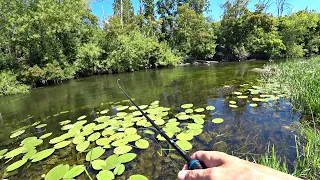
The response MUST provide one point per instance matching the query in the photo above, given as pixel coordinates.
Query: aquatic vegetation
(42, 155)
(57, 172)
(217, 120)
(16, 165)
(16, 134)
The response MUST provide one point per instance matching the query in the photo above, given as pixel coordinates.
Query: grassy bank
(301, 79)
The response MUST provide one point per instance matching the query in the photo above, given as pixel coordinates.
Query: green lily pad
(16, 165)
(195, 126)
(169, 134)
(199, 120)
(94, 136)
(172, 129)
(78, 139)
(142, 144)
(98, 164)
(199, 110)
(242, 97)
(29, 154)
(3, 151)
(233, 106)
(253, 105)
(57, 172)
(184, 145)
(217, 120)
(189, 111)
(137, 177)
(122, 149)
(14, 152)
(119, 169)
(35, 123)
(102, 119)
(95, 153)
(89, 127)
(100, 127)
(81, 117)
(65, 122)
(184, 137)
(61, 144)
(232, 102)
(121, 114)
(237, 93)
(120, 142)
(194, 132)
(186, 106)
(45, 136)
(117, 136)
(42, 155)
(105, 175)
(103, 141)
(27, 140)
(143, 106)
(74, 172)
(33, 143)
(122, 108)
(16, 134)
(147, 131)
(132, 138)
(104, 111)
(41, 126)
(130, 131)
(184, 117)
(124, 158)
(112, 162)
(210, 108)
(67, 127)
(159, 122)
(82, 146)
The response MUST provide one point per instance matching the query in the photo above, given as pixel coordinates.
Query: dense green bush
(134, 51)
(9, 84)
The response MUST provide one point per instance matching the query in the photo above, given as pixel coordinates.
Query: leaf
(184, 117)
(81, 117)
(121, 114)
(78, 139)
(16, 165)
(14, 152)
(242, 97)
(194, 132)
(124, 158)
(82, 146)
(184, 136)
(98, 164)
(112, 162)
(61, 144)
(94, 136)
(42, 155)
(184, 145)
(142, 144)
(237, 93)
(232, 102)
(105, 175)
(28, 139)
(100, 127)
(45, 136)
(65, 122)
(233, 106)
(103, 141)
(74, 172)
(29, 154)
(186, 106)
(122, 108)
(16, 134)
(210, 108)
(253, 105)
(122, 149)
(33, 143)
(132, 138)
(138, 177)
(130, 131)
(57, 172)
(3, 151)
(41, 126)
(95, 153)
(217, 120)
(119, 169)
(199, 110)
(104, 111)
(35, 123)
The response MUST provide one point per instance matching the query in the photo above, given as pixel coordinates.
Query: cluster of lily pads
(117, 133)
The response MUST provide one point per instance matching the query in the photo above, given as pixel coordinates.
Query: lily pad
(41, 126)
(233, 106)
(159, 122)
(81, 117)
(112, 162)
(104, 111)
(95, 153)
(65, 122)
(35, 123)
(232, 102)
(100, 127)
(138, 177)
(237, 93)
(74, 172)
(120, 142)
(78, 139)
(184, 137)
(94, 136)
(132, 138)
(61, 144)
(103, 141)
(16, 165)
(199, 110)
(210, 108)
(184, 117)
(124, 158)
(217, 120)
(82, 146)
(122, 149)
(29, 154)
(194, 132)
(33, 143)
(45, 136)
(242, 97)
(27, 140)
(3, 151)
(57, 172)
(122, 108)
(42, 155)
(105, 175)
(16, 134)
(98, 164)
(253, 105)
(130, 131)
(184, 145)
(186, 106)
(15, 152)
(119, 169)
(189, 111)
(121, 114)
(142, 144)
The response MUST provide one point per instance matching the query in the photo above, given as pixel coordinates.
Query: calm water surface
(245, 132)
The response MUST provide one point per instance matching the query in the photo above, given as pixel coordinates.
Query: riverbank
(300, 78)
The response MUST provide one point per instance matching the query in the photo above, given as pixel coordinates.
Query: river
(245, 132)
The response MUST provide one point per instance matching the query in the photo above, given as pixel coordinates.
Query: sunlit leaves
(16, 165)
(122, 149)
(95, 153)
(138, 177)
(142, 144)
(74, 172)
(57, 172)
(217, 120)
(82, 146)
(124, 158)
(16, 134)
(184, 145)
(42, 155)
(61, 144)
(105, 174)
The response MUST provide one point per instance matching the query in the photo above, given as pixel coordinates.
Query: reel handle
(196, 164)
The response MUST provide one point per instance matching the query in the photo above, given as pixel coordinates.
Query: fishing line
(192, 163)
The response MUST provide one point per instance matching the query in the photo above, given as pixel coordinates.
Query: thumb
(203, 174)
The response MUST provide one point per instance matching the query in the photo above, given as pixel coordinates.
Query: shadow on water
(245, 132)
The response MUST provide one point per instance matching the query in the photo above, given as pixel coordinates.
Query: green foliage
(135, 51)
(10, 85)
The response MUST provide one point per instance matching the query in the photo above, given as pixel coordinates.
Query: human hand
(222, 166)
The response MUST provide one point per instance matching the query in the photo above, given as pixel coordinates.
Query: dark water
(245, 132)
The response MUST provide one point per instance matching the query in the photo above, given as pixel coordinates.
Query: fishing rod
(192, 163)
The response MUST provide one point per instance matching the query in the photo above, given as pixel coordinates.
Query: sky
(215, 10)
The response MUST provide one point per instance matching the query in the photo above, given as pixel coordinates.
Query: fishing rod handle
(196, 164)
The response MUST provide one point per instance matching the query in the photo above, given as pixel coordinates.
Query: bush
(134, 51)
(10, 85)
